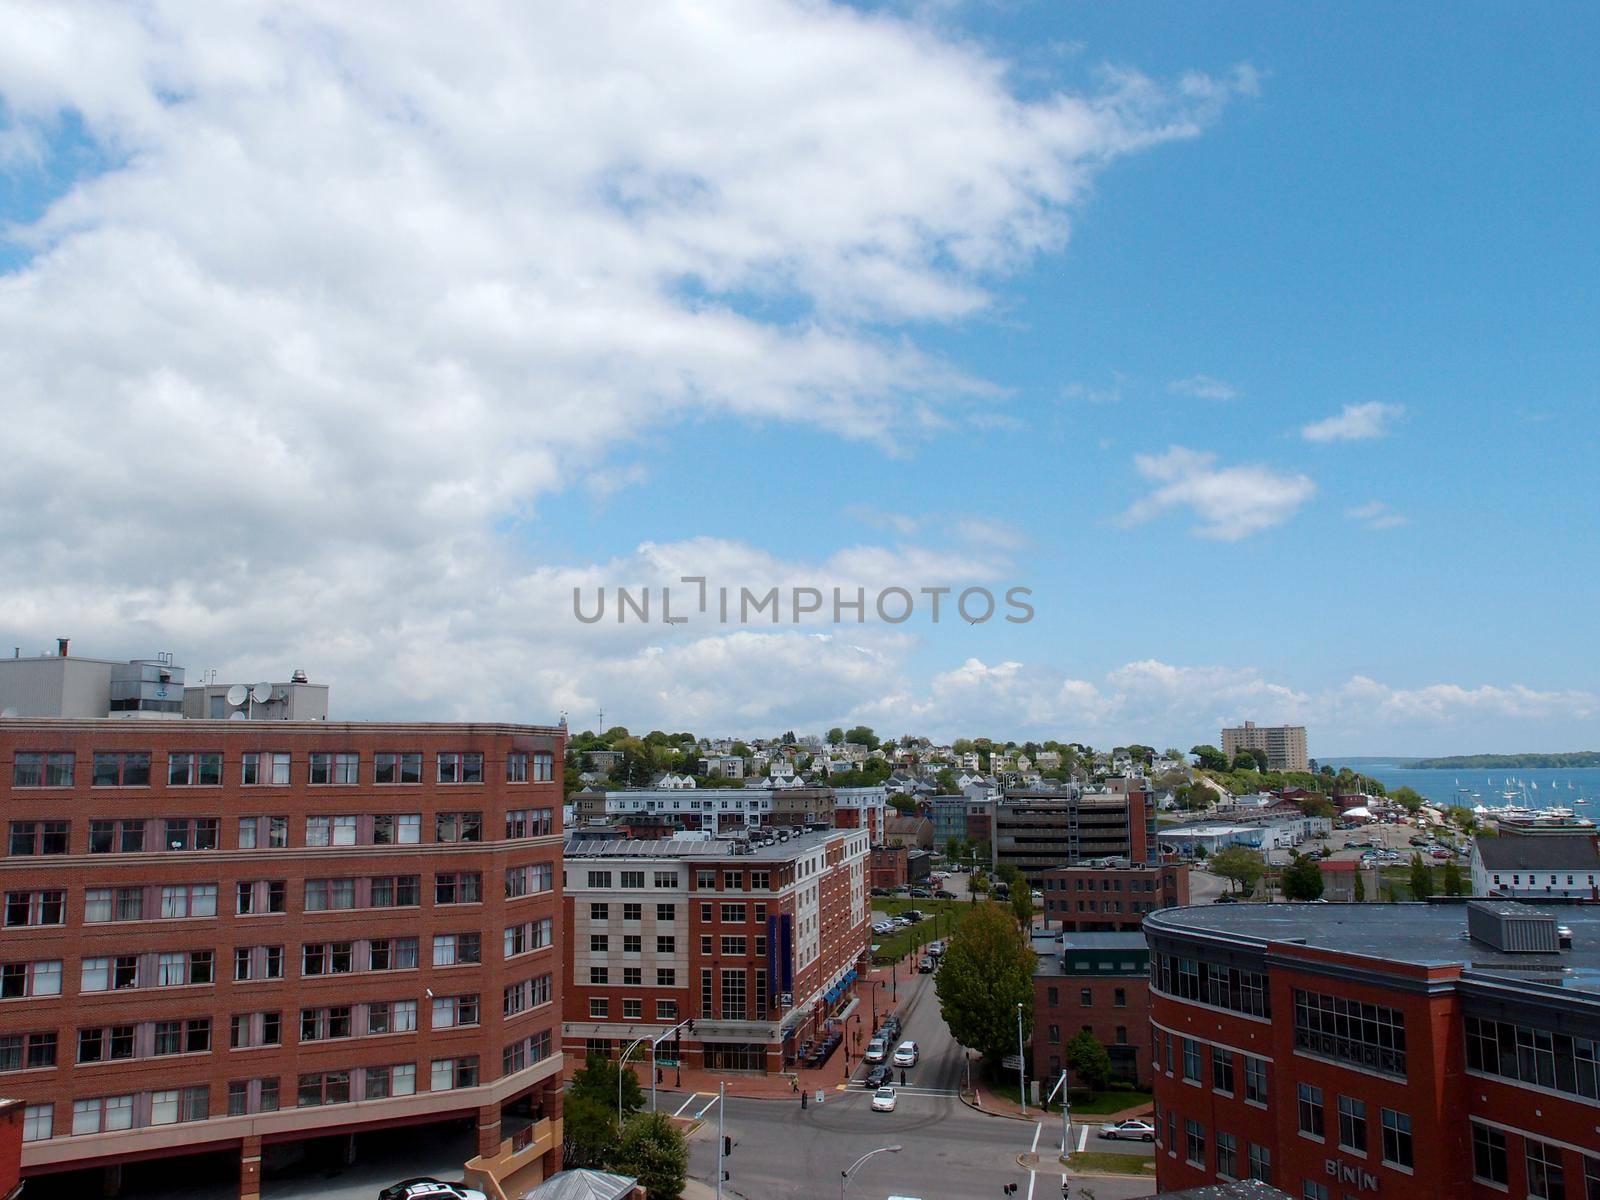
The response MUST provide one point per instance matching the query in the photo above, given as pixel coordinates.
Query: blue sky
(1379, 209)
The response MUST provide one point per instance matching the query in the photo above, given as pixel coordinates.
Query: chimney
(61, 646)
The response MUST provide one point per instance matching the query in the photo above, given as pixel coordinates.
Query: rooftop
(1539, 854)
(1426, 935)
(579, 846)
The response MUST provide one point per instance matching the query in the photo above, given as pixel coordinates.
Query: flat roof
(1428, 935)
(580, 846)
(163, 724)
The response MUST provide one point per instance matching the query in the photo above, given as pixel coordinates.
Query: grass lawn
(1107, 1163)
(898, 945)
(1098, 1104)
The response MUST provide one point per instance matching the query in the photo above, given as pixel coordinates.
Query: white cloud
(1094, 393)
(1204, 387)
(1230, 502)
(1376, 515)
(1355, 422)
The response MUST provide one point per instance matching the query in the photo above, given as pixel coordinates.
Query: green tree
(740, 750)
(1407, 798)
(986, 972)
(1022, 908)
(1361, 885)
(653, 1150)
(597, 1079)
(1240, 864)
(589, 1132)
(1450, 881)
(1245, 761)
(961, 746)
(1210, 758)
(1260, 756)
(1421, 878)
(945, 781)
(1088, 1061)
(835, 736)
(1301, 879)
(861, 735)
(904, 804)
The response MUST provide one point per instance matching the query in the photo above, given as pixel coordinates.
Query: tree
(1301, 879)
(945, 781)
(1209, 757)
(1240, 864)
(653, 1151)
(1260, 756)
(1022, 908)
(1087, 1059)
(597, 1079)
(1421, 878)
(904, 804)
(1245, 760)
(1361, 886)
(1450, 882)
(1408, 798)
(740, 750)
(986, 972)
(835, 736)
(861, 735)
(589, 1132)
(961, 746)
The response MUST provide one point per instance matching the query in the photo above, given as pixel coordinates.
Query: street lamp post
(1022, 1068)
(844, 1175)
(621, 1063)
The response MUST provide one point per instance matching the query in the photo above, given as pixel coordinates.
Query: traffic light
(1010, 1189)
(727, 1146)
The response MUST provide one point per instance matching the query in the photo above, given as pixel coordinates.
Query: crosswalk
(710, 1103)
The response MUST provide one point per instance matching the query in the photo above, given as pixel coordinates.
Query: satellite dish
(238, 714)
(238, 694)
(261, 693)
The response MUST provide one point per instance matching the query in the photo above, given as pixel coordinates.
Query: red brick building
(1111, 897)
(757, 940)
(10, 1148)
(225, 934)
(1097, 982)
(1447, 1050)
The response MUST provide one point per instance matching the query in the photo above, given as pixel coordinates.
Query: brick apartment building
(1111, 896)
(757, 940)
(893, 866)
(226, 934)
(1036, 830)
(1378, 1050)
(1099, 982)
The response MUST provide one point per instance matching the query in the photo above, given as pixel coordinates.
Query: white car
(883, 1100)
(429, 1189)
(1133, 1130)
(877, 1051)
(905, 1054)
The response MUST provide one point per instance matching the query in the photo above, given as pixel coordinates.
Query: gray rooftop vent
(1513, 928)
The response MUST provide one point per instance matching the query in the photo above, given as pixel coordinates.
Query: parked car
(880, 891)
(889, 1032)
(925, 967)
(424, 1188)
(911, 914)
(883, 1100)
(945, 894)
(877, 1051)
(905, 1054)
(877, 1077)
(1226, 898)
(1132, 1130)
(921, 893)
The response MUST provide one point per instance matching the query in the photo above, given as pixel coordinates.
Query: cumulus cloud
(1230, 502)
(1376, 515)
(1354, 423)
(1204, 387)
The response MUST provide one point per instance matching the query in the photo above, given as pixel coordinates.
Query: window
(328, 958)
(191, 769)
(1311, 1115)
(632, 879)
(392, 1016)
(393, 954)
(458, 827)
(633, 912)
(192, 1036)
(599, 1006)
(395, 891)
(527, 937)
(733, 914)
(27, 1051)
(666, 1010)
(264, 770)
(1211, 983)
(733, 881)
(1546, 1176)
(461, 887)
(257, 962)
(632, 976)
(390, 768)
(258, 832)
(705, 880)
(666, 943)
(29, 838)
(1260, 1163)
(666, 912)
(323, 1087)
(114, 837)
(451, 1073)
(599, 912)
(246, 1031)
(1396, 1138)
(530, 822)
(1489, 1162)
(632, 943)
(398, 1080)
(1558, 1061)
(599, 976)
(452, 1012)
(599, 943)
(1351, 1031)
(331, 831)
(259, 896)
(114, 768)
(461, 767)
(247, 1096)
(543, 766)
(1194, 1143)
(760, 881)
(1191, 1061)
(529, 993)
(38, 1122)
(1255, 1080)
(41, 769)
(666, 879)
(1312, 1190)
(104, 1114)
(456, 949)
(397, 829)
(35, 908)
(633, 1010)
(335, 768)
(18, 980)
(733, 945)
(1352, 1124)
(325, 1024)
(1227, 1155)
(188, 900)
(186, 833)
(1222, 1070)
(517, 767)
(666, 977)
(733, 995)
(1591, 1178)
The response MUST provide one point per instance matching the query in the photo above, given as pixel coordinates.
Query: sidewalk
(998, 1103)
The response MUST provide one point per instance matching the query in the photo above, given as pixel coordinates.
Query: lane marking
(710, 1104)
(1032, 1179)
(1083, 1137)
(1037, 1130)
(693, 1096)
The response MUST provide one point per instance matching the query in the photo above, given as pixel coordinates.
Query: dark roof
(1244, 1189)
(1540, 852)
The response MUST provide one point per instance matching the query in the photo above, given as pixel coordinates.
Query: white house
(1535, 868)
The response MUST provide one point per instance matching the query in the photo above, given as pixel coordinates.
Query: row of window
(1211, 983)
(1362, 1034)
(1558, 1061)
(632, 1009)
(705, 880)
(1170, 1049)
(138, 835)
(1119, 997)
(182, 968)
(1544, 1167)
(1095, 883)
(204, 768)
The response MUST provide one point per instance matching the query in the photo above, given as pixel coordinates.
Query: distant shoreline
(1578, 759)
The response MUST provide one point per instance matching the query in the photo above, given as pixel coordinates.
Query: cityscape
(770, 599)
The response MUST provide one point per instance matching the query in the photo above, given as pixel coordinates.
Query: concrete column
(250, 1168)
(489, 1130)
(553, 1100)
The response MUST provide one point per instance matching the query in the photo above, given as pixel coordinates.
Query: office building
(1284, 745)
(759, 940)
(1370, 1050)
(222, 935)
(1098, 983)
(1111, 896)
